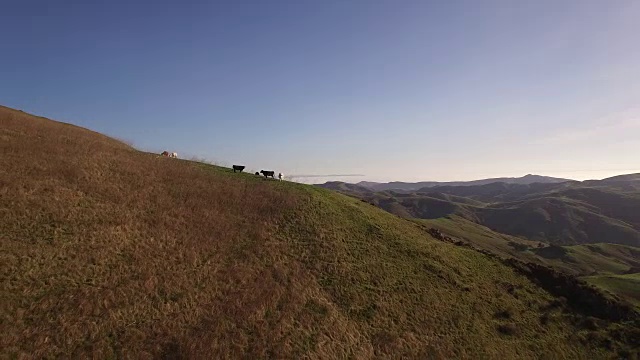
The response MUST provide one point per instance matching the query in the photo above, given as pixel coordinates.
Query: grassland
(598, 264)
(571, 213)
(579, 260)
(483, 237)
(111, 252)
(627, 285)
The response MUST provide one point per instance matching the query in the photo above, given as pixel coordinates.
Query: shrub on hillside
(508, 329)
(503, 314)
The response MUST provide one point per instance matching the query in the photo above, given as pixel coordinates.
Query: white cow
(280, 176)
(174, 155)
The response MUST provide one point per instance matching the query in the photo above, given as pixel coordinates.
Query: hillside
(562, 220)
(570, 213)
(111, 252)
(628, 285)
(579, 260)
(531, 223)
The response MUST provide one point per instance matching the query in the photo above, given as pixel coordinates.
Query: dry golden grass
(114, 253)
(110, 247)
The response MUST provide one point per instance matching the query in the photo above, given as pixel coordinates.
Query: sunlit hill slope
(112, 252)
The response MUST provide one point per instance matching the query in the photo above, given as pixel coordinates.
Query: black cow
(267, 174)
(238, 167)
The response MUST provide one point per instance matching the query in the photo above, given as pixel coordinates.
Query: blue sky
(394, 90)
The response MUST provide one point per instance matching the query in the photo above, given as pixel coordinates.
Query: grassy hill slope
(627, 285)
(561, 220)
(595, 263)
(567, 213)
(112, 252)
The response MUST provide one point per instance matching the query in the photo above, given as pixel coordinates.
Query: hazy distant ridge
(565, 213)
(409, 186)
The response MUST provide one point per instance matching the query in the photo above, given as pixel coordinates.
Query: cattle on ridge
(268, 174)
(168, 154)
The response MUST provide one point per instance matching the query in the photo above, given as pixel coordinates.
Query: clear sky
(395, 90)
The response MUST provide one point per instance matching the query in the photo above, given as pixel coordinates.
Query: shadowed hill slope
(111, 252)
(563, 220)
(579, 260)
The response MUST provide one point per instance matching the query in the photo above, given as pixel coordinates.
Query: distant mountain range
(412, 186)
(556, 211)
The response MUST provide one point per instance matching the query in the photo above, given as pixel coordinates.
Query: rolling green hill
(627, 285)
(564, 220)
(592, 222)
(569, 213)
(110, 252)
(577, 260)
(613, 268)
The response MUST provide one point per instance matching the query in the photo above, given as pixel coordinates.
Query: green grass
(605, 258)
(597, 263)
(626, 286)
(385, 274)
(580, 260)
(483, 237)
